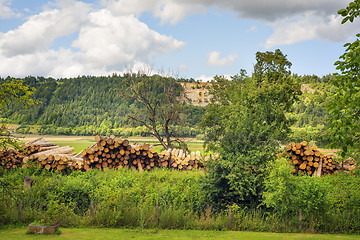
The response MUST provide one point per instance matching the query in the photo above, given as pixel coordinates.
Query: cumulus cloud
(105, 43)
(289, 19)
(309, 27)
(41, 30)
(117, 40)
(204, 78)
(214, 59)
(169, 11)
(5, 10)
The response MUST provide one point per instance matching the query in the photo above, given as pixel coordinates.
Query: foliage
(13, 91)
(125, 198)
(328, 204)
(245, 121)
(287, 194)
(159, 105)
(87, 106)
(344, 109)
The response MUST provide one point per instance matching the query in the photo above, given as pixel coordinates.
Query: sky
(182, 38)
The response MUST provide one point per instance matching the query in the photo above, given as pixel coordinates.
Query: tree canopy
(245, 121)
(13, 91)
(344, 107)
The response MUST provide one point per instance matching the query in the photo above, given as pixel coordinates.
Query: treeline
(89, 105)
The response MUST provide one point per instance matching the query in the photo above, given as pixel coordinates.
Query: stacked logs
(11, 158)
(112, 152)
(304, 158)
(347, 165)
(310, 160)
(328, 165)
(181, 160)
(48, 155)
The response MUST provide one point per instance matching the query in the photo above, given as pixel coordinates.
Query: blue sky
(184, 38)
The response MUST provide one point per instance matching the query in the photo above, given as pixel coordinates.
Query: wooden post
(157, 209)
(229, 218)
(28, 181)
(21, 205)
(300, 219)
(92, 208)
(157, 214)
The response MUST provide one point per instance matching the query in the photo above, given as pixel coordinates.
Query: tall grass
(124, 198)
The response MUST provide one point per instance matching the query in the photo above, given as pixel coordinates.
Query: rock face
(43, 229)
(196, 93)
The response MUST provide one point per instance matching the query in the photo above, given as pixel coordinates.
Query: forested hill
(84, 105)
(93, 105)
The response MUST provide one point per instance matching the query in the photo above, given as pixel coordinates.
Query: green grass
(82, 142)
(79, 145)
(112, 233)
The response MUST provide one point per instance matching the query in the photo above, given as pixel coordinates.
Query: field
(96, 233)
(82, 142)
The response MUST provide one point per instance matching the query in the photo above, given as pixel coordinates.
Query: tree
(244, 122)
(13, 91)
(158, 97)
(344, 107)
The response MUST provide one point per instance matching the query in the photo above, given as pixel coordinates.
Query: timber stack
(11, 158)
(181, 160)
(309, 160)
(48, 155)
(111, 152)
(305, 159)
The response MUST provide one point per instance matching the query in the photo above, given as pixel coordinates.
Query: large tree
(245, 121)
(160, 108)
(12, 91)
(344, 107)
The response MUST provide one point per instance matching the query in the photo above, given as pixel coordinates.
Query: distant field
(113, 233)
(82, 142)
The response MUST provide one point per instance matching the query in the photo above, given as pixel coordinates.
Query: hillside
(94, 105)
(87, 106)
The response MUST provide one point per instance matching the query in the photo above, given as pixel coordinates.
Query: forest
(91, 105)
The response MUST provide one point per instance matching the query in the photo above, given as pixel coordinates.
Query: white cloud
(286, 17)
(252, 29)
(171, 11)
(309, 27)
(204, 78)
(182, 67)
(5, 10)
(41, 30)
(214, 59)
(105, 44)
(119, 40)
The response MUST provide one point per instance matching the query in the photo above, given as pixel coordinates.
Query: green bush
(124, 198)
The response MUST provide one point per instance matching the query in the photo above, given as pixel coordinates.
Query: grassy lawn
(111, 233)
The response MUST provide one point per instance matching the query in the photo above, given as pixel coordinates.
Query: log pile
(181, 160)
(48, 155)
(106, 153)
(11, 158)
(305, 159)
(112, 152)
(311, 161)
(347, 165)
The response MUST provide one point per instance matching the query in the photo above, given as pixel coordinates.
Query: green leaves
(245, 121)
(344, 119)
(351, 12)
